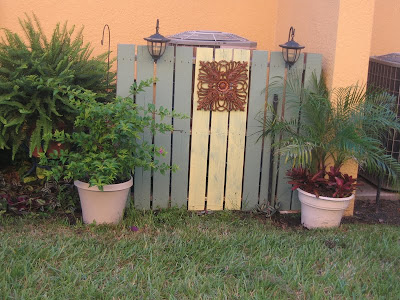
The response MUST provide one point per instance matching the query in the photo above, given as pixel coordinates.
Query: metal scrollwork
(222, 85)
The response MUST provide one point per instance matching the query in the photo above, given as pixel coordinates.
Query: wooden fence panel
(164, 86)
(268, 187)
(313, 65)
(142, 183)
(241, 172)
(217, 156)
(256, 106)
(126, 69)
(181, 134)
(199, 150)
(284, 191)
(236, 140)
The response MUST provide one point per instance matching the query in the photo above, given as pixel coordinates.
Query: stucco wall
(385, 37)
(340, 30)
(132, 20)
(353, 42)
(316, 27)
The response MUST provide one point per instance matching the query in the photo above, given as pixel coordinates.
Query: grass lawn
(177, 255)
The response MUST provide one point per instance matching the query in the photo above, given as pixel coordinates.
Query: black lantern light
(156, 44)
(291, 50)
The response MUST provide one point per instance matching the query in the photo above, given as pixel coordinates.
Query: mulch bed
(365, 212)
(368, 212)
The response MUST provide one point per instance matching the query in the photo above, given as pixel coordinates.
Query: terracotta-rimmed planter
(322, 212)
(52, 146)
(103, 207)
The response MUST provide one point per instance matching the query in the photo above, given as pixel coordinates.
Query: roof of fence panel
(212, 39)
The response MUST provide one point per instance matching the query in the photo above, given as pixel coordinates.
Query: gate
(220, 164)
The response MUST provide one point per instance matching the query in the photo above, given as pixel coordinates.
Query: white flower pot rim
(326, 198)
(322, 212)
(106, 188)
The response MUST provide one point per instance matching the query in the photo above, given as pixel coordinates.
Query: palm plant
(335, 126)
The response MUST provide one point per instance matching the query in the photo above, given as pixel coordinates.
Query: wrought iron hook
(291, 33)
(109, 45)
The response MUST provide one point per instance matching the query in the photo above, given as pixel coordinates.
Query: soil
(365, 211)
(368, 212)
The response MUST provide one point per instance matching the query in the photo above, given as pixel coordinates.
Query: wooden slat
(142, 184)
(284, 192)
(165, 72)
(314, 64)
(125, 77)
(199, 149)
(276, 71)
(181, 134)
(237, 132)
(253, 148)
(217, 157)
(126, 69)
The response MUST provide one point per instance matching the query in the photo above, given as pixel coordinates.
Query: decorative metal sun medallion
(222, 85)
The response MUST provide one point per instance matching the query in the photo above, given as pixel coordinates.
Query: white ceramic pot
(322, 212)
(103, 207)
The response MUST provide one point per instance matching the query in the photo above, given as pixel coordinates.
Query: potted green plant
(106, 146)
(38, 76)
(330, 128)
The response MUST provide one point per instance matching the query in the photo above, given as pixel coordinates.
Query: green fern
(39, 77)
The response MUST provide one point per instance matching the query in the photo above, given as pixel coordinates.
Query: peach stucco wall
(265, 21)
(316, 27)
(385, 37)
(353, 41)
(346, 32)
(131, 20)
(339, 29)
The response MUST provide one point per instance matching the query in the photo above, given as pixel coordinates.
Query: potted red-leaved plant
(324, 195)
(330, 128)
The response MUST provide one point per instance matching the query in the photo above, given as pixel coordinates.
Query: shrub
(106, 145)
(38, 77)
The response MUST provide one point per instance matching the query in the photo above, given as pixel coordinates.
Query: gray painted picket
(268, 187)
(253, 148)
(313, 65)
(164, 93)
(142, 180)
(181, 134)
(284, 192)
(126, 69)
